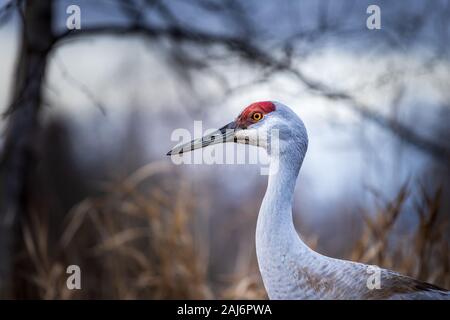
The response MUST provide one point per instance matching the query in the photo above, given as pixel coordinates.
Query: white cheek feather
(252, 137)
(259, 133)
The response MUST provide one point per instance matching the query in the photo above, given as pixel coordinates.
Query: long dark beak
(224, 134)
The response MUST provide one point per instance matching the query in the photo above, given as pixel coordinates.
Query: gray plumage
(289, 268)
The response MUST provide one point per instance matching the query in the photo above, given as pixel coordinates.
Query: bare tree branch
(255, 55)
(81, 86)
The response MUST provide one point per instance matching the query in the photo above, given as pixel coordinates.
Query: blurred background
(88, 116)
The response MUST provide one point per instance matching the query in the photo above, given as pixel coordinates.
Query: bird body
(289, 268)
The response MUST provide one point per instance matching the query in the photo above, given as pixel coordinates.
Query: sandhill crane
(289, 268)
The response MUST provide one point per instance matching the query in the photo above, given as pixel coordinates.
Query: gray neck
(289, 268)
(279, 249)
(276, 209)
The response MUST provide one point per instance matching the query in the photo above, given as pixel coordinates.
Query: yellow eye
(257, 116)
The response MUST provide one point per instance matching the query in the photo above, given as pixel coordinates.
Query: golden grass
(129, 244)
(137, 240)
(423, 253)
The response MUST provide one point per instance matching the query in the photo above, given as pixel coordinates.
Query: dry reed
(136, 240)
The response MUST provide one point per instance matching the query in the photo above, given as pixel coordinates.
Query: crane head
(252, 126)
